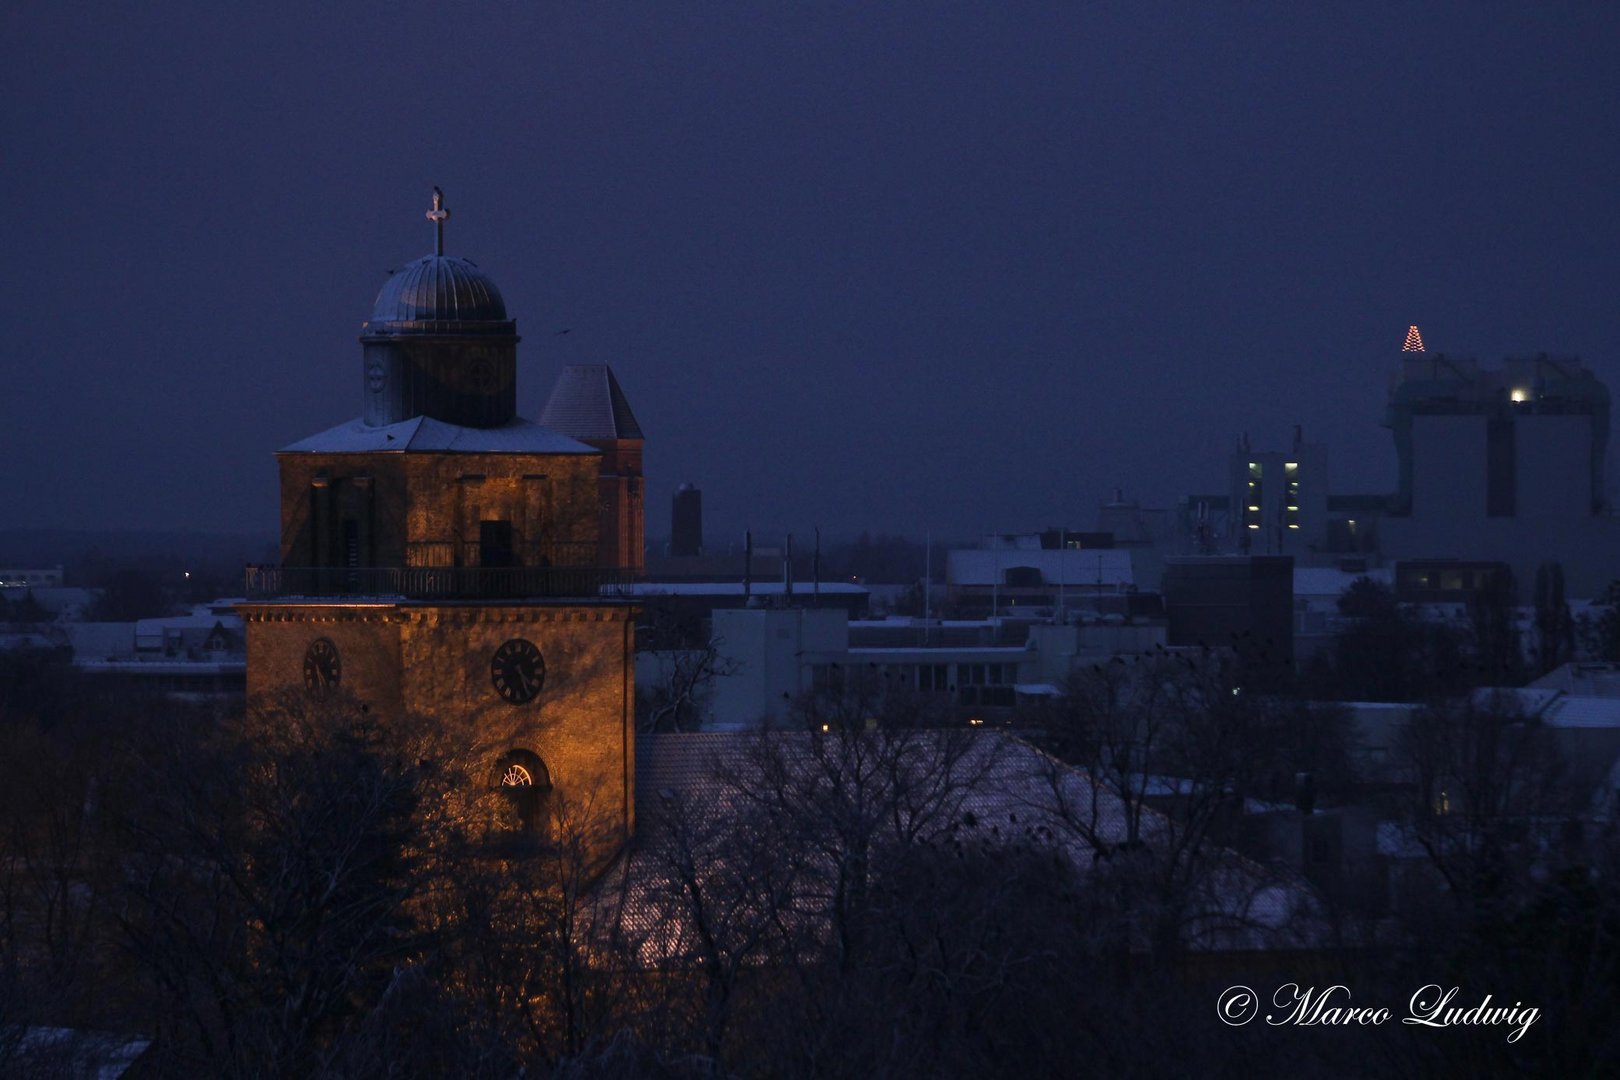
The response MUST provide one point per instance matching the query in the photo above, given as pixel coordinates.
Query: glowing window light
(1254, 508)
(1254, 526)
(1414, 340)
(1520, 394)
(1293, 526)
(517, 776)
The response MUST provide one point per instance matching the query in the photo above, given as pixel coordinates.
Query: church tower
(587, 404)
(443, 557)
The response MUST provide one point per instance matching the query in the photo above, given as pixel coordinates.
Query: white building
(770, 657)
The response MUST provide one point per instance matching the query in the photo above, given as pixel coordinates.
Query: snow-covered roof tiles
(980, 785)
(1554, 707)
(423, 434)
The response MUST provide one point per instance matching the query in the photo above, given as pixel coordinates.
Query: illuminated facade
(442, 557)
(1500, 465)
(1503, 464)
(587, 404)
(1279, 499)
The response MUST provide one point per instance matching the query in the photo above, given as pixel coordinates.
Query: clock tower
(441, 557)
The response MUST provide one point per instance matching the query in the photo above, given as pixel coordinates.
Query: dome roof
(439, 294)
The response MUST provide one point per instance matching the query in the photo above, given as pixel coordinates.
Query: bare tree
(678, 698)
(1152, 761)
(1488, 790)
(269, 865)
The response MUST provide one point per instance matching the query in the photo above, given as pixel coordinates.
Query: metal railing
(439, 553)
(439, 582)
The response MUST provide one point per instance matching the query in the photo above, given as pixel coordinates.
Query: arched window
(523, 778)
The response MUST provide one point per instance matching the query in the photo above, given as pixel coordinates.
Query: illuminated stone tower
(587, 404)
(441, 556)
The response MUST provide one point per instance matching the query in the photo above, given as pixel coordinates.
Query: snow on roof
(25, 639)
(1583, 712)
(980, 785)
(979, 566)
(735, 588)
(100, 640)
(204, 620)
(1584, 679)
(1553, 707)
(1038, 689)
(58, 1051)
(423, 434)
(166, 666)
(935, 654)
(1527, 700)
(1398, 840)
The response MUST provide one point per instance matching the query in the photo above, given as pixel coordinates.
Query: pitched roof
(423, 434)
(586, 403)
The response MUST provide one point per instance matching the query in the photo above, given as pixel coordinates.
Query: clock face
(322, 667)
(518, 671)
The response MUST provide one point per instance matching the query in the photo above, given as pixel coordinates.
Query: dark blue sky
(899, 267)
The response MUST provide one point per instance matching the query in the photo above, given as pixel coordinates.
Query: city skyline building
(1503, 465)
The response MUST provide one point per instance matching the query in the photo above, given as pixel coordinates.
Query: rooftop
(423, 434)
(587, 403)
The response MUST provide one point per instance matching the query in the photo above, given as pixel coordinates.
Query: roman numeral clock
(518, 671)
(442, 556)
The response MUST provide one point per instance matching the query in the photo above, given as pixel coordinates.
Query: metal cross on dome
(438, 215)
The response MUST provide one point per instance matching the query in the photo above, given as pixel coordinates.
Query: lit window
(1251, 506)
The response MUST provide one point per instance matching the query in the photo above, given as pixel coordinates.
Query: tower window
(1253, 496)
(525, 783)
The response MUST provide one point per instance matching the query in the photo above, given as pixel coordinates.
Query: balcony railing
(439, 582)
(436, 553)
